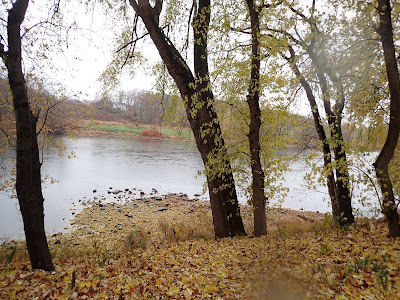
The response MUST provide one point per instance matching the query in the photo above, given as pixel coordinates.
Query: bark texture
(338, 179)
(381, 165)
(260, 225)
(344, 211)
(342, 180)
(28, 184)
(330, 178)
(199, 104)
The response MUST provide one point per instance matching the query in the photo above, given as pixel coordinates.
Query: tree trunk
(330, 179)
(339, 186)
(199, 104)
(28, 184)
(260, 225)
(381, 165)
(343, 195)
(342, 189)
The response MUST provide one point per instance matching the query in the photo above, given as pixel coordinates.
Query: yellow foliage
(308, 260)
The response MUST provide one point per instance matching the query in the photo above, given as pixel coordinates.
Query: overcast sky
(90, 51)
(85, 53)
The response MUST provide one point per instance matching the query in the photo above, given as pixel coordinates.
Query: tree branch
(46, 115)
(3, 54)
(157, 9)
(263, 5)
(241, 30)
(132, 42)
(135, 6)
(287, 34)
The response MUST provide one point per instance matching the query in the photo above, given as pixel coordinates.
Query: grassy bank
(132, 129)
(148, 249)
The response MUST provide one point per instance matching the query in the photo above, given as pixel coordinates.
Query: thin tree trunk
(341, 182)
(260, 225)
(330, 179)
(199, 104)
(343, 194)
(342, 188)
(381, 165)
(28, 183)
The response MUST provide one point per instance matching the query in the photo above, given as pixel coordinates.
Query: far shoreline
(126, 129)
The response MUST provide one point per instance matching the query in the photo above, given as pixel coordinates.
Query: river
(111, 163)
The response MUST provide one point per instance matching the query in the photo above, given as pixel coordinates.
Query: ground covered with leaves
(164, 248)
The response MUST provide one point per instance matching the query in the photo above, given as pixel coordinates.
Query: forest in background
(136, 108)
(234, 72)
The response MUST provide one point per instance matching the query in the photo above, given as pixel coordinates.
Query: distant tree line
(142, 107)
(236, 98)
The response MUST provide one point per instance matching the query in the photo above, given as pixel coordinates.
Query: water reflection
(134, 163)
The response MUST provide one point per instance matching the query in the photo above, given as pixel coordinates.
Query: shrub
(137, 239)
(152, 134)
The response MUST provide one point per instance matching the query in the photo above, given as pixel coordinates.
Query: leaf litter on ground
(156, 249)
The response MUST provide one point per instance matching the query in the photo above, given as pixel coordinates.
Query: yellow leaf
(85, 284)
(173, 290)
(158, 282)
(67, 279)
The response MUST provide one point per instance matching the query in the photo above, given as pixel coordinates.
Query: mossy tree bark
(196, 92)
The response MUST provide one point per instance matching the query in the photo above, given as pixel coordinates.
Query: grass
(113, 128)
(117, 128)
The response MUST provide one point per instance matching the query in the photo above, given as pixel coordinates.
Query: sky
(90, 51)
(83, 54)
(88, 54)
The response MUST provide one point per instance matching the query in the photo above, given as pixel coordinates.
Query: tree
(318, 124)
(260, 225)
(381, 164)
(252, 117)
(28, 181)
(315, 45)
(196, 92)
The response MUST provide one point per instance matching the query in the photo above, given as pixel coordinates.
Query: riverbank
(163, 247)
(176, 217)
(127, 129)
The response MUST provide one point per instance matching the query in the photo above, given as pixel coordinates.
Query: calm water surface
(135, 164)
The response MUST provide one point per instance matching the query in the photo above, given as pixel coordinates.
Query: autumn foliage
(152, 134)
(165, 249)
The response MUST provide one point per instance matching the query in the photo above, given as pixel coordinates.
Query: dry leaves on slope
(318, 263)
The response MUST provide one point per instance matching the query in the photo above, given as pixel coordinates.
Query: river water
(110, 163)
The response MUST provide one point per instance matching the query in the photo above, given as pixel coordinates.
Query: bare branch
(268, 5)
(191, 13)
(36, 25)
(132, 42)
(241, 113)
(134, 5)
(46, 115)
(308, 20)
(133, 45)
(285, 33)
(157, 8)
(241, 30)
